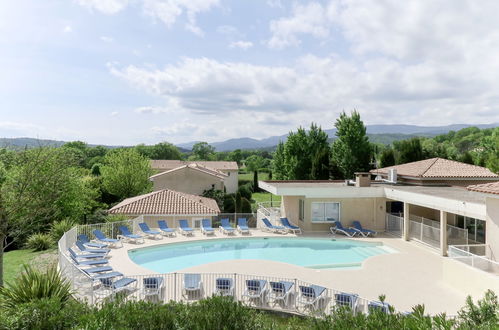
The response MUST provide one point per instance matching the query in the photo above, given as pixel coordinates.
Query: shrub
(45, 313)
(485, 313)
(39, 242)
(32, 285)
(116, 217)
(245, 191)
(58, 228)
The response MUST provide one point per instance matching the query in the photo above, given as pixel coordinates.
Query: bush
(45, 313)
(39, 242)
(34, 285)
(245, 191)
(484, 314)
(57, 229)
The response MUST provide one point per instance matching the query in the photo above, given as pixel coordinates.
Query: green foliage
(39, 242)
(202, 151)
(387, 158)
(32, 285)
(245, 191)
(351, 151)
(42, 186)
(408, 150)
(126, 173)
(162, 150)
(245, 205)
(217, 195)
(483, 315)
(304, 156)
(58, 228)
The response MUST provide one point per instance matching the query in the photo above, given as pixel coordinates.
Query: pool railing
(172, 284)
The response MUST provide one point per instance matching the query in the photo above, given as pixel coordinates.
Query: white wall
(188, 181)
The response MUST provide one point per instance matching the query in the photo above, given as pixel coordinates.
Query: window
(301, 210)
(325, 212)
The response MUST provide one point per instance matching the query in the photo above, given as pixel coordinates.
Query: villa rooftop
(488, 188)
(166, 202)
(438, 168)
(165, 165)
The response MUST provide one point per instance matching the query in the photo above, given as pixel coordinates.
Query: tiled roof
(439, 168)
(195, 167)
(489, 188)
(166, 165)
(166, 201)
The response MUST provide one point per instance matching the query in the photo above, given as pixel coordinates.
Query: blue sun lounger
(85, 256)
(206, 227)
(346, 300)
(127, 235)
(193, 286)
(274, 229)
(86, 241)
(242, 226)
(364, 232)
(102, 238)
(151, 233)
(184, 228)
(83, 248)
(165, 230)
(224, 287)
(281, 292)
(311, 296)
(225, 227)
(291, 228)
(338, 228)
(256, 290)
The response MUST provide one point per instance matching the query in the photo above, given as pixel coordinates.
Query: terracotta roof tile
(166, 202)
(171, 164)
(489, 188)
(439, 168)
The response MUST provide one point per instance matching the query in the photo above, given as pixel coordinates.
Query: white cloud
(177, 129)
(104, 6)
(241, 44)
(306, 19)
(228, 30)
(106, 39)
(151, 110)
(67, 29)
(114, 113)
(169, 11)
(275, 3)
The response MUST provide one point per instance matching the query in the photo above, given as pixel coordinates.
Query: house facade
(194, 177)
(438, 214)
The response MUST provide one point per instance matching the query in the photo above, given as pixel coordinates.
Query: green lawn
(249, 176)
(13, 261)
(265, 197)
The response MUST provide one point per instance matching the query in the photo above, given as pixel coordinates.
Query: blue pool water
(306, 252)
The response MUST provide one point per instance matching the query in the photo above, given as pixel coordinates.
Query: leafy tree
(387, 158)
(165, 150)
(40, 187)
(278, 169)
(126, 173)
(236, 156)
(202, 151)
(408, 150)
(217, 195)
(351, 150)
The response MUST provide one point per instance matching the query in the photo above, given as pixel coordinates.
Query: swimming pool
(305, 252)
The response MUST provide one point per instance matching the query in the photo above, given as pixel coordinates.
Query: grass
(265, 197)
(249, 176)
(13, 261)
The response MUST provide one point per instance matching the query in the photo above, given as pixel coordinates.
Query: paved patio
(411, 276)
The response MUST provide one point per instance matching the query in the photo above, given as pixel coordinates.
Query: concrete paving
(412, 275)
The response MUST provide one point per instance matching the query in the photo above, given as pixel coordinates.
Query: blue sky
(145, 71)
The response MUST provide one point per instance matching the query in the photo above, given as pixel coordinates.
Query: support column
(405, 235)
(443, 233)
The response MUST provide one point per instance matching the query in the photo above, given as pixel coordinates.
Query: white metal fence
(394, 225)
(477, 256)
(269, 210)
(455, 235)
(424, 233)
(190, 287)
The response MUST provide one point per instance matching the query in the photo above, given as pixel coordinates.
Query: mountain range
(377, 133)
(385, 134)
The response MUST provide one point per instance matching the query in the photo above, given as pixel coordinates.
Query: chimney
(362, 179)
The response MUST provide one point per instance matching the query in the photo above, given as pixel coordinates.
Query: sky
(123, 72)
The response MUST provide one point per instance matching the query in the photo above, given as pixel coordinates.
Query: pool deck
(412, 275)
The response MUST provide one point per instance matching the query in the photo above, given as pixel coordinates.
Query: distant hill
(377, 133)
